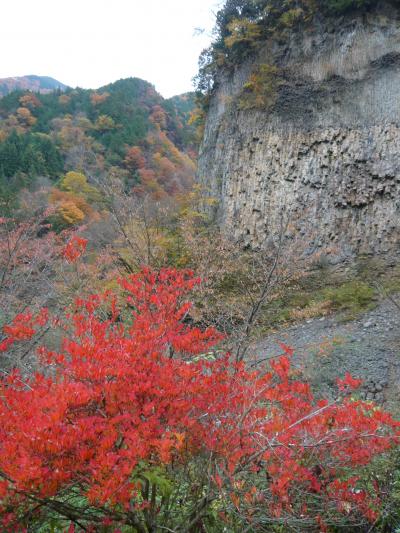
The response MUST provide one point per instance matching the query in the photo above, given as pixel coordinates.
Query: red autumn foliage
(23, 327)
(125, 390)
(74, 248)
(348, 383)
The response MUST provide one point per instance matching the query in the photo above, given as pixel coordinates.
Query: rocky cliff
(322, 151)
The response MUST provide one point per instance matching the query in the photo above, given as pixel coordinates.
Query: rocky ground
(325, 348)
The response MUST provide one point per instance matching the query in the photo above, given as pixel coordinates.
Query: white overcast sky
(89, 43)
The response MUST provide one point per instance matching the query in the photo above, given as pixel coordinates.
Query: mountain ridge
(31, 82)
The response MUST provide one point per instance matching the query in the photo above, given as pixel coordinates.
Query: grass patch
(391, 282)
(347, 291)
(350, 299)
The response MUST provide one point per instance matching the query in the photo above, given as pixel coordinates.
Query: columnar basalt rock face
(325, 155)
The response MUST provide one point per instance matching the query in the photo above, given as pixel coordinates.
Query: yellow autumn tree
(25, 117)
(64, 99)
(105, 123)
(77, 183)
(70, 213)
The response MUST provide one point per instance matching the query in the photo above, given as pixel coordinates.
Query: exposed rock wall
(326, 153)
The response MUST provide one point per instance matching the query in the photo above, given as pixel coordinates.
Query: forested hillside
(125, 128)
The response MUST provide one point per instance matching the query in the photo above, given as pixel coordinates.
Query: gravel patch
(326, 348)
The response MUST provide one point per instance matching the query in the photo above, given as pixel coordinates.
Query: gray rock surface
(326, 154)
(326, 349)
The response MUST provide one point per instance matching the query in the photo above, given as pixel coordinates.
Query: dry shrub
(238, 284)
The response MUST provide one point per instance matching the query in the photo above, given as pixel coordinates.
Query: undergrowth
(326, 292)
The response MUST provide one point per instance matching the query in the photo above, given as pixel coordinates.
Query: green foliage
(28, 155)
(351, 297)
(155, 476)
(386, 470)
(180, 109)
(341, 6)
(310, 299)
(128, 106)
(242, 31)
(289, 18)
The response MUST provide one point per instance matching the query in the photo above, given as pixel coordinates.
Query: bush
(135, 426)
(352, 297)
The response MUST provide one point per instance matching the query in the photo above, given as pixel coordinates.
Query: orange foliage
(165, 167)
(29, 100)
(70, 212)
(134, 158)
(25, 117)
(149, 183)
(173, 170)
(71, 208)
(159, 116)
(64, 99)
(97, 98)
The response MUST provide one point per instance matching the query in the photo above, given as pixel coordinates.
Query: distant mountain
(40, 84)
